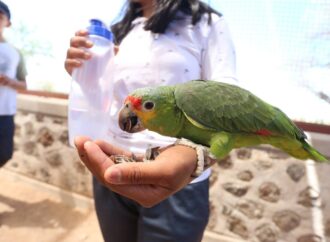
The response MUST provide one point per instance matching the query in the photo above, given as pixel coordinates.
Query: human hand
(76, 53)
(4, 80)
(146, 183)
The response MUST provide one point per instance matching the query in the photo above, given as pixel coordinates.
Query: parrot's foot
(205, 158)
(200, 150)
(150, 155)
(122, 159)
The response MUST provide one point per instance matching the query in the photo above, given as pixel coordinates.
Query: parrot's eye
(148, 105)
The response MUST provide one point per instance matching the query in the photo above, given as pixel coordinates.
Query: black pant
(7, 128)
(180, 218)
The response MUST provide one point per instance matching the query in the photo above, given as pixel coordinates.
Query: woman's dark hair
(165, 12)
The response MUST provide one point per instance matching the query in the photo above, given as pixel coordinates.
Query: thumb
(134, 173)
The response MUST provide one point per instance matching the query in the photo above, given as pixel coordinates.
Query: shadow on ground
(45, 214)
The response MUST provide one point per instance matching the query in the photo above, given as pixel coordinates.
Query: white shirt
(9, 61)
(184, 52)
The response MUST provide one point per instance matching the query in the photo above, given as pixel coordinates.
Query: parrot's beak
(129, 121)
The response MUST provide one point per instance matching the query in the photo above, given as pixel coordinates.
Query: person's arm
(147, 183)
(151, 182)
(19, 83)
(12, 83)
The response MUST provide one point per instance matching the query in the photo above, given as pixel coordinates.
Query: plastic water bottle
(89, 98)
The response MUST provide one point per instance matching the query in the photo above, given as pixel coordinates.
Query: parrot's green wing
(225, 107)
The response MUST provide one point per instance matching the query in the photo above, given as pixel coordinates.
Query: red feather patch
(264, 132)
(136, 102)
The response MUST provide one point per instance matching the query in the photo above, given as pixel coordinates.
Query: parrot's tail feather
(313, 153)
(299, 149)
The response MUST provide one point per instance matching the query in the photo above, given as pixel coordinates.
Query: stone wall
(41, 145)
(263, 195)
(256, 194)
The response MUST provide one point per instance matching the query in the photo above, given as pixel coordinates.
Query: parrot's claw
(151, 153)
(122, 159)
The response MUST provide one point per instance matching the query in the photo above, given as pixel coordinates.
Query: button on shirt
(184, 52)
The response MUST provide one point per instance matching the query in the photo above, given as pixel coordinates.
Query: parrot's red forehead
(135, 101)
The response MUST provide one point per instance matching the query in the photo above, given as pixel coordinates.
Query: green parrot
(214, 114)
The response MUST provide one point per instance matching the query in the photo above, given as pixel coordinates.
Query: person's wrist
(187, 156)
(204, 158)
(184, 153)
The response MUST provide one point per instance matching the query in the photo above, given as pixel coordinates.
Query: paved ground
(31, 211)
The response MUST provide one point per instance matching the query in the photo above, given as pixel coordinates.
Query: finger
(136, 173)
(79, 142)
(97, 161)
(172, 169)
(82, 32)
(145, 195)
(80, 41)
(77, 53)
(110, 149)
(70, 64)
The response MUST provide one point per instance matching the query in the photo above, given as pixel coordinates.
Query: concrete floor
(32, 211)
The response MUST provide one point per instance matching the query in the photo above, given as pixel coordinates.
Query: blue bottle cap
(97, 27)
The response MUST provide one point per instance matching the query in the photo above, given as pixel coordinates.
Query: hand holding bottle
(90, 95)
(78, 51)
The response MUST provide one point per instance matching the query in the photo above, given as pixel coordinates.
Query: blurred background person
(12, 78)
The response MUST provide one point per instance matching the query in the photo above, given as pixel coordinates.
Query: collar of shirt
(139, 20)
(142, 20)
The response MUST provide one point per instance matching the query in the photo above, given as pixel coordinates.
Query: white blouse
(184, 52)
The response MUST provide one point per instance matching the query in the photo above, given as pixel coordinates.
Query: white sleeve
(218, 59)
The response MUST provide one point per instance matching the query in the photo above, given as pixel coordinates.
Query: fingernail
(89, 43)
(87, 55)
(87, 144)
(113, 176)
